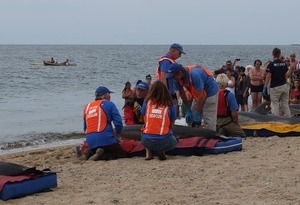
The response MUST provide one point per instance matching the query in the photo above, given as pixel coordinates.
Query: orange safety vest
(95, 117)
(157, 120)
(158, 71)
(223, 109)
(190, 86)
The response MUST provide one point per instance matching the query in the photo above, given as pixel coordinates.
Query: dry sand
(266, 171)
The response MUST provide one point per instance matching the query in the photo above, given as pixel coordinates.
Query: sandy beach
(266, 171)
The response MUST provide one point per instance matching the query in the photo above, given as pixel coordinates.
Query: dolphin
(179, 131)
(246, 118)
(12, 169)
(265, 108)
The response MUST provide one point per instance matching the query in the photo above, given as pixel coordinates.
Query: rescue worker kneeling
(100, 137)
(159, 116)
(227, 115)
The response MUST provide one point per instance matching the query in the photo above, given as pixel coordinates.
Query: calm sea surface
(43, 104)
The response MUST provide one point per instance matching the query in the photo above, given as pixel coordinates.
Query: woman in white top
(231, 82)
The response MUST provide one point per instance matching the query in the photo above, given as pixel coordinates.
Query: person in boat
(66, 62)
(227, 115)
(98, 118)
(200, 82)
(132, 109)
(159, 116)
(52, 60)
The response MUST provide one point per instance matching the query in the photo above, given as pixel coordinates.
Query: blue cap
(178, 47)
(143, 86)
(173, 68)
(101, 90)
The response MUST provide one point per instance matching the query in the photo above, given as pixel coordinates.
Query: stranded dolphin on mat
(246, 118)
(265, 108)
(180, 131)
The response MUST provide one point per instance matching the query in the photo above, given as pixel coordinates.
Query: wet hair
(159, 94)
(276, 52)
(257, 60)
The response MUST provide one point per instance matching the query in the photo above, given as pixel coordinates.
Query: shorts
(242, 100)
(256, 88)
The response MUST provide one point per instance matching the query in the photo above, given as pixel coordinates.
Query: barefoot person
(256, 75)
(159, 116)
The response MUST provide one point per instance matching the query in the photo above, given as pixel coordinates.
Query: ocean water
(43, 104)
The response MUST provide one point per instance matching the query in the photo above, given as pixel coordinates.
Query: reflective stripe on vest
(157, 120)
(95, 117)
(190, 86)
(158, 71)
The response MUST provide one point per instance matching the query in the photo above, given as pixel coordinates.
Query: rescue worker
(132, 109)
(159, 115)
(200, 82)
(98, 116)
(227, 118)
(164, 63)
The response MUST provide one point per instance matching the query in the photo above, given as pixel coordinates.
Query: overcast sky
(189, 22)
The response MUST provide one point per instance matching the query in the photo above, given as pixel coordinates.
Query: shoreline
(266, 171)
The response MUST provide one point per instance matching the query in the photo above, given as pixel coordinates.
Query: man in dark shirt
(277, 73)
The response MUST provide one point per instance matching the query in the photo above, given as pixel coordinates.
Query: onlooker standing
(242, 89)
(159, 116)
(295, 93)
(277, 73)
(148, 79)
(127, 92)
(231, 82)
(200, 82)
(256, 75)
(227, 121)
(100, 136)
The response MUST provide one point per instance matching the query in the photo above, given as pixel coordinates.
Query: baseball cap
(173, 68)
(178, 47)
(101, 90)
(143, 86)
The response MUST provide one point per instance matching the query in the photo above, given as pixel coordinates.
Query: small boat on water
(49, 63)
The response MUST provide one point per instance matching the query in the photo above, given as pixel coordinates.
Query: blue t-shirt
(200, 81)
(172, 115)
(232, 103)
(106, 137)
(164, 67)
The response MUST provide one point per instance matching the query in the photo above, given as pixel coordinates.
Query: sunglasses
(292, 56)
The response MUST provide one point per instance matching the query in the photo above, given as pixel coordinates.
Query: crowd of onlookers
(247, 83)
